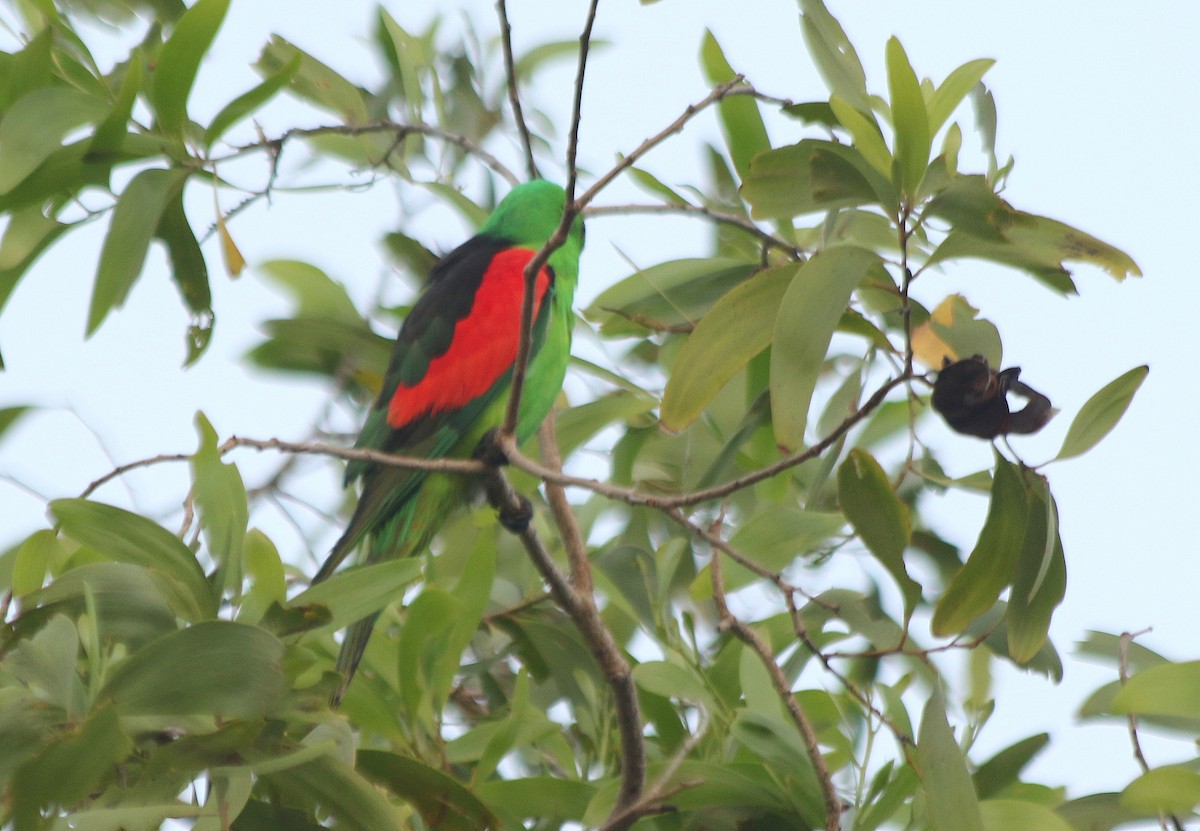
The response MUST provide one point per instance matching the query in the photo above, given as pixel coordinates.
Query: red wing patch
(484, 345)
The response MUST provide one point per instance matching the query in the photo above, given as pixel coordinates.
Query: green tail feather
(351, 654)
(407, 534)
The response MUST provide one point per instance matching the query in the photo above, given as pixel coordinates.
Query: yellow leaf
(234, 261)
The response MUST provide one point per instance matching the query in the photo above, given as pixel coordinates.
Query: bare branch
(121, 470)
(514, 98)
(687, 209)
(636, 497)
(717, 93)
(571, 210)
(585, 42)
(568, 528)
(275, 145)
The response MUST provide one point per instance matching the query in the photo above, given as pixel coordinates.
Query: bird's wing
(453, 358)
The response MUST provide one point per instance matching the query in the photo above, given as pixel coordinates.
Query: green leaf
(130, 603)
(34, 127)
(984, 226)
(977, 585)
(834, 54)
(215, 667)
(778, 534)
(541, 798)
(134, 223)
(179, 60)
(878, 517)
(65, 773)
(249, 101)
(950, 801)
(953, 90)
(1172, 789)
(312, 290)
(868, 138)
(45, 663)
(1165, 690)
(778, 744)
(1000, 771)
(910, 119)
(808, 177)
(220, 497)
(10, 415)
(673, 679)
(1009, 814)
(264, 568)
(344, 793)
(314, 81)
(741, 122)
(649, 182)
(1097, 812)
(670, 295)
(1040, 580)
(34, 559)
(808, 316)
(529, 63)
(735, 329)
(360, 591)
(442, 800)
(1101, 413)
(28, 234)
(190, 273)
(575, 426)
(128, 538)
(109, 138)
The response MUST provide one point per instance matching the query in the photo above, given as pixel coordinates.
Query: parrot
(449, 377)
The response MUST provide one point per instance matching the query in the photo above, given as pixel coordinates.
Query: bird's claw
(489, 450)
(516, 518)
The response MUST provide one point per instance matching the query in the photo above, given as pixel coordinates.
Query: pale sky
(1098, 104)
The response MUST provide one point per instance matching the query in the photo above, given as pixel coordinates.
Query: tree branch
(687, 209)
(635, 497)
(581, 607)
(401, 131)
(556, 498)
(514, 98)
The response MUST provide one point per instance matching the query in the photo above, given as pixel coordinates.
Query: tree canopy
(733, 609)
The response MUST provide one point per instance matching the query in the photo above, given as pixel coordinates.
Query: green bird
(449, 380)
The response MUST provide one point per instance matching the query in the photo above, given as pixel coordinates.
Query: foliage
(765, 426)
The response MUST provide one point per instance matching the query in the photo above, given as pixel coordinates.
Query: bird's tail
(351, 654)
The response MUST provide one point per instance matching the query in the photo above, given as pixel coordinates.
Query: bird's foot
(489, 450)
(516, 518)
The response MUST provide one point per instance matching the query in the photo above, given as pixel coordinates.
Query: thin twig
(805, 638)
(571, 210)
(585, 42)
(687, 209)
(747, 635)
(275, 145)
(121, 470)
(661, 789)
(718, 92)
(636, 497)
(556, 498)
(1127, 638)
(514, 97)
